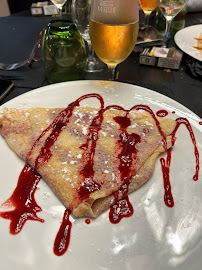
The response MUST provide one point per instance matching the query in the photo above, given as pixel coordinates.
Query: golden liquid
(113, 43)
(148, 5)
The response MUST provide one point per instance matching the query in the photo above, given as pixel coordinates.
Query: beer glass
(113, 30)
(147, 6)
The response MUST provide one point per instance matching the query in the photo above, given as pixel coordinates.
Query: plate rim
(46, 88)
(179, 33)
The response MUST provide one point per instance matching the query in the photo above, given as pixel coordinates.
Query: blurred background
(8, 7)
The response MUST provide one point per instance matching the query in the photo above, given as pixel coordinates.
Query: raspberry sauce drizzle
(149, 110)
(162, 113)
(63, 236)
(22, 199)
(30, 179)
(185, 121)
(165, 165)
(122, 208)
(126, 143)
(144, 108)
(57, 126)
(87, 221)
(89, 185)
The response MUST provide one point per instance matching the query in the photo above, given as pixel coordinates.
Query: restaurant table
(19, 32)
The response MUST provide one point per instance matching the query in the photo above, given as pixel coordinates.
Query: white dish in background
(185, 40)
(155, 237)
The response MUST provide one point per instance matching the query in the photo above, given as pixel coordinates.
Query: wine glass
(147, 6)
(169, 9)
(114, 27)
(80, 14)
(59, 4)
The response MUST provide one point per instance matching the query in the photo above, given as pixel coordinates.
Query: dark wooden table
(20, 32)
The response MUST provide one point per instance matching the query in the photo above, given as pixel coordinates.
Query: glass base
(148, 35)
(94, 65)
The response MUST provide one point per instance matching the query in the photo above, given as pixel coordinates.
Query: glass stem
(147, 20)
(147, 35)
(90, 51)
(168, 24)
(60, 13)
(111, 72)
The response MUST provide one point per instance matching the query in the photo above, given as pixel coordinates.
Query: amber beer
(113, 43)
(148, 5)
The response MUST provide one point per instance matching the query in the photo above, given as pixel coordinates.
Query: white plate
(185, 40)
(155, 237)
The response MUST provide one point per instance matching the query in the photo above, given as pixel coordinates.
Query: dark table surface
(20, 32)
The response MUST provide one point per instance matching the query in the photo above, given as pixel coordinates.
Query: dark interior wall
(20, 5)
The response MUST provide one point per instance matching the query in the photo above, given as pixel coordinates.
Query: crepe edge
(96, 207)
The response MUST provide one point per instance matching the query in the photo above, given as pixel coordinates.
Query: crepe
(89, 192)
(199, 43)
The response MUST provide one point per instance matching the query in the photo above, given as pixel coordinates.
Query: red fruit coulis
(87, 221)
(185, 122)
(63, 236)
(22, 200)
(165, 165)
(162, 113)
(122, 208)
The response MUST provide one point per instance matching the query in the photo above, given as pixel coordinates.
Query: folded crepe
(88, 166)
(199, 43)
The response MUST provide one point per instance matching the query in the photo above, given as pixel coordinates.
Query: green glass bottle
(63, 52)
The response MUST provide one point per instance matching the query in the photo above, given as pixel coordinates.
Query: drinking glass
(59, 4)
(113, 30)
(63, 52)
(80, 14)
(147, 6)
(169, 9)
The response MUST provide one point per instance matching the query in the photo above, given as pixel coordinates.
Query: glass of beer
(114, 27)
(148, 6)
